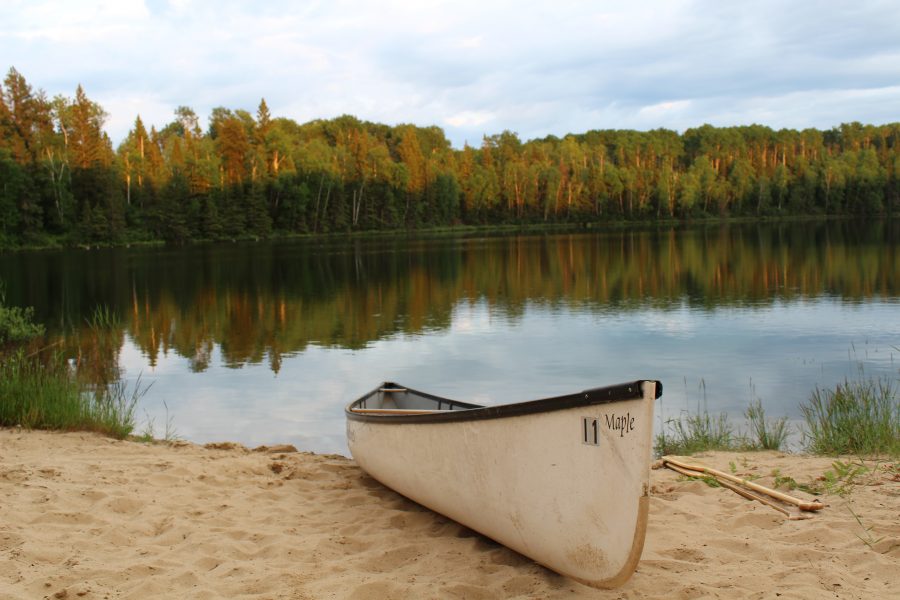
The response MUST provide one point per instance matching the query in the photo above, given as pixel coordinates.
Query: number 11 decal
(590, 431)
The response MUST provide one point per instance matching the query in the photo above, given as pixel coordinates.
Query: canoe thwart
(394, 411)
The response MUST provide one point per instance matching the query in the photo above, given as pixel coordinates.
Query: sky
(473, 68)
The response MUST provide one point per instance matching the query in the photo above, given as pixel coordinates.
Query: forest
(253, 176)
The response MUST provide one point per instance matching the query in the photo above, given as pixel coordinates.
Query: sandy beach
(83, 516)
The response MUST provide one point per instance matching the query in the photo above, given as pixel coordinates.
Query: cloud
(474, 68)
(469, 118)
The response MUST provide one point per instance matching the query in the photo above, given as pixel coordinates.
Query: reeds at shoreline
(46, 394)
(39, 389)
(857, 417)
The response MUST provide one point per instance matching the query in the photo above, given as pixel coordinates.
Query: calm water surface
(265, 343)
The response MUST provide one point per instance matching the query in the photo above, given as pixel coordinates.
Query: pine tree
(233, 146)
(259, 223)
(89, 143)
(133, 154)
(22, 117)
(211, 221)
(175, 196)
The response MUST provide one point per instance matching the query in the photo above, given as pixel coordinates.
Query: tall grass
(692, 433)
(765, 433)
(697, 432)
(38, 389)
(45, 394)
(700, 432)
(35, 394)
(857, 417)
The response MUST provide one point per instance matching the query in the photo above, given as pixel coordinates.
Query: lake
(264, 343)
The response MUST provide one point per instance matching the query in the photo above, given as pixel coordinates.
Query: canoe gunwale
(473, 412)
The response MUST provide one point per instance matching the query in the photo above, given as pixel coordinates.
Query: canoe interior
(391, 398)
(395, 403)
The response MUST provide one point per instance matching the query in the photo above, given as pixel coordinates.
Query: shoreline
(84, 516)
(52, 243)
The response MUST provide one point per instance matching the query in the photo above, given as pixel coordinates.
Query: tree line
(255, 175)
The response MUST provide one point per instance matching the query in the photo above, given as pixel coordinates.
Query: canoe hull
(567, 488)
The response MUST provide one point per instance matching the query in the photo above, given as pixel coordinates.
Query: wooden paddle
(720, 475)
(791, 513)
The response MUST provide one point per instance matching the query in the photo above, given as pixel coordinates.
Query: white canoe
(564, 480)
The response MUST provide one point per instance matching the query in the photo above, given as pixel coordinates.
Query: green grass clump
(765, 433)
(856, 417)
(38, 394)
(39, 390)
(700, 432)
(35, 394)
(692, 433)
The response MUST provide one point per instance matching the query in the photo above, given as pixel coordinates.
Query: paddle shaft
(734, 488)
(801, 504)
